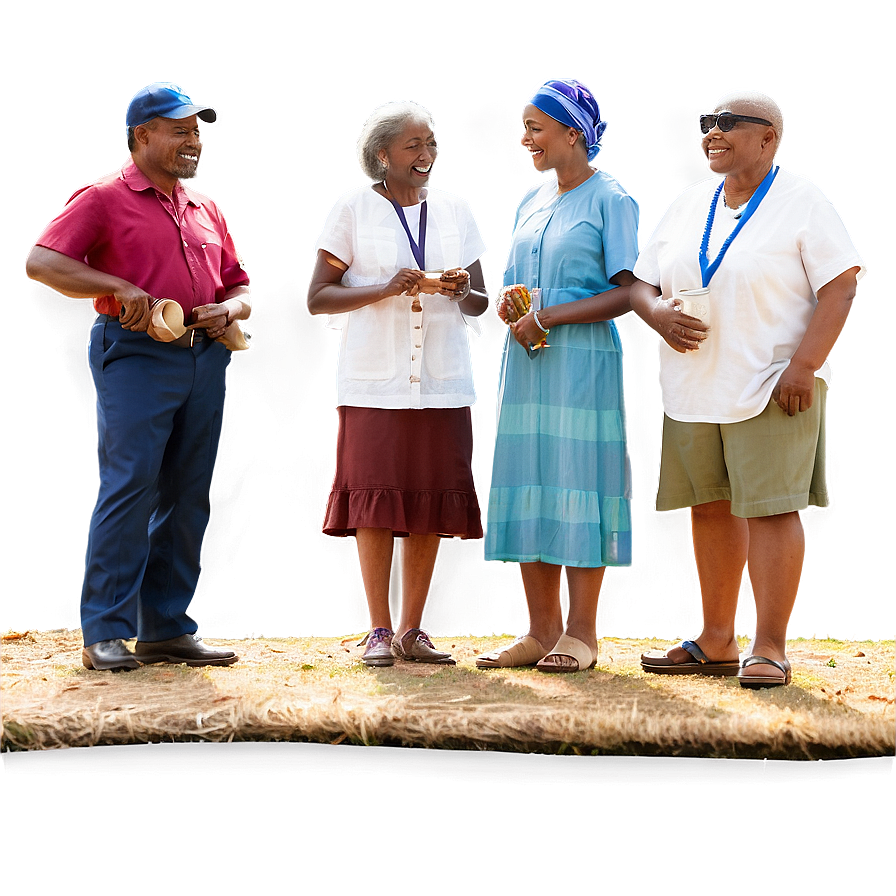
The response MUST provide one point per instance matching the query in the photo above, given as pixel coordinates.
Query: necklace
(418, 246)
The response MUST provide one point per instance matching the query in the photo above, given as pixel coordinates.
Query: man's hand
(135, 311)
(212, 318)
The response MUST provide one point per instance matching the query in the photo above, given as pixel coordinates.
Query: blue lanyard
(707, 269)
(418, 247)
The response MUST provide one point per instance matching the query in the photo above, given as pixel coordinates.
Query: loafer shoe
(415, 647)
(379, 648)
(111, 655)
(187, 649)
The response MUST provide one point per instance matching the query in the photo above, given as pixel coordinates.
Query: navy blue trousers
(159, 410)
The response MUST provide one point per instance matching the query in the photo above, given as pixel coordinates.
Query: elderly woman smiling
(749, 280)
(559, 495)
(405, 442)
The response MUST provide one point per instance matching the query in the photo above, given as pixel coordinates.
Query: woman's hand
(404, 281)
(795, 389)
(526, 331)
(681, 331)
(461, 286)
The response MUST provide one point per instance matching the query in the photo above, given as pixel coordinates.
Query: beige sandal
(573, 648)
(525, 651)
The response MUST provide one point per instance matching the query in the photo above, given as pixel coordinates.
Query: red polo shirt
(125, 226)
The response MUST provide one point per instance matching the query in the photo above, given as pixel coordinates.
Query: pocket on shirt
(377, 249)
(369, 346)
(446, 355)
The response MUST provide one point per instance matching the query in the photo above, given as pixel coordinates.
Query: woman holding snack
(560, 482)
(743, 376)
(397, 267)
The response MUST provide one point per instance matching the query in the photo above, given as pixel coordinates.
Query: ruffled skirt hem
(447, 513)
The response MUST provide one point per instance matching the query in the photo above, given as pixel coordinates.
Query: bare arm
(475, 300)
(327, 295)
(78, 280)
(795, 388)
(604, 306)
(680, 331)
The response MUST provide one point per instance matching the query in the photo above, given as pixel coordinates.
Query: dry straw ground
(840, 705)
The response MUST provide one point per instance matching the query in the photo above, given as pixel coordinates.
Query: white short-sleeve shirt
(761, 299)
(391, 355)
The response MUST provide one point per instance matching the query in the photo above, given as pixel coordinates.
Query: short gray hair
(382, 129)
(756, 104)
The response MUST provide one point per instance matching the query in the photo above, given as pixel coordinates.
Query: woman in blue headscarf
(560, 481)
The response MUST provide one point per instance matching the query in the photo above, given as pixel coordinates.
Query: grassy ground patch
(840, 705)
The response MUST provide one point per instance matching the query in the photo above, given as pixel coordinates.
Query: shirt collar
(138, 181)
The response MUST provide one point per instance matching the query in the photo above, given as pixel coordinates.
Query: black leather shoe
(112, 656)
(187, 649)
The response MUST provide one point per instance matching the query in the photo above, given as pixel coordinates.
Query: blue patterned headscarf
(572, 104)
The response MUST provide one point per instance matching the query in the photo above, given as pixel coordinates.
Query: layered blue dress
(561, 483)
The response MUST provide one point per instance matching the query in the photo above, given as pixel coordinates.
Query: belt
(190, 339)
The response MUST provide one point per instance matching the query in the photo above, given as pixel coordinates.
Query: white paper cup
(695, 303)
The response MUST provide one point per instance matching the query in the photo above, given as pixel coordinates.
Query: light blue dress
(561, 484)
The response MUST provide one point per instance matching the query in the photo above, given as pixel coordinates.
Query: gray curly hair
(756, 104)
(383, 127)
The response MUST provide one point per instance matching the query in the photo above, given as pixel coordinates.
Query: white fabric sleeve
(647, 266)
(825, 246)
(474, 245)
(336, 236)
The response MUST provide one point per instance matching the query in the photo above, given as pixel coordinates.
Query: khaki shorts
(764, 466)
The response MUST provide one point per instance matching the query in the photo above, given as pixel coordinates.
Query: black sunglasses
(726, 121)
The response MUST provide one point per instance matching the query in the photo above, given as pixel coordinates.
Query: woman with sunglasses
(744, 376)
(560, 483)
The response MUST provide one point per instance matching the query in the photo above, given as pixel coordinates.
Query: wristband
(538, 323)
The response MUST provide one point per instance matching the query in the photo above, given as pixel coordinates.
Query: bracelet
(538, 323)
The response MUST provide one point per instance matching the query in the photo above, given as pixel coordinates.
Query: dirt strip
(841, 703)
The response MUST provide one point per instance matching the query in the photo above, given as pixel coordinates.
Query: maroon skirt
(407, 470)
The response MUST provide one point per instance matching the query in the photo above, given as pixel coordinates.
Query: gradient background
(293, 83)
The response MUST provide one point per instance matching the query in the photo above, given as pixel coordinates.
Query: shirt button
(415, 379)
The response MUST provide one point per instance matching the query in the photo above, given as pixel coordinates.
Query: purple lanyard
(707, 269)
(418, 248)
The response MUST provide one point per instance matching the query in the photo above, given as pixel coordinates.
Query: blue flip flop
(659, 663)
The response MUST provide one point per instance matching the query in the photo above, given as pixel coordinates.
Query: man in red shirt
(125, 241)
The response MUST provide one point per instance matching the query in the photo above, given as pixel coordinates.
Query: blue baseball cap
(164, 100)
